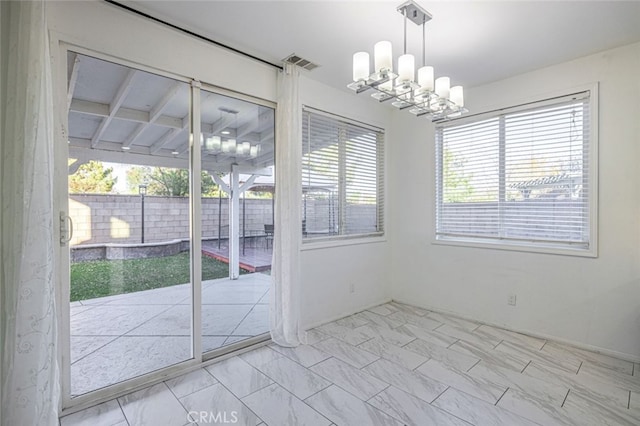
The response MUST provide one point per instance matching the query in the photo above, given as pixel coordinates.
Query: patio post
(234, 222)
(142, 190)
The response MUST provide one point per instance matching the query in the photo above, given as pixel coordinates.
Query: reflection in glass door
(237, 159)
(130, 285)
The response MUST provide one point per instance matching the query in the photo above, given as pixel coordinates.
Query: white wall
(110, 30)
(592, 302)
(328, 272)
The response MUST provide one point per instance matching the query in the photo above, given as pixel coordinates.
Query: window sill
(319, 244)
(518, 247)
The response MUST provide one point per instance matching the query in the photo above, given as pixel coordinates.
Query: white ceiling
(474, 42)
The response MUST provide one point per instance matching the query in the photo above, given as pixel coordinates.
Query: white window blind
(342, 175)
(517, 176)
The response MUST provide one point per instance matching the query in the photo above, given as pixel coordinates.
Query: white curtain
(284, 311)
(30, 378)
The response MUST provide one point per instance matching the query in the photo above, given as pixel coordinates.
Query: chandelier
(424, 96)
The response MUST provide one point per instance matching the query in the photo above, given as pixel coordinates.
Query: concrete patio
(119, 337)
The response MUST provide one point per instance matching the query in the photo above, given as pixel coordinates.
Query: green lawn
(108, 277)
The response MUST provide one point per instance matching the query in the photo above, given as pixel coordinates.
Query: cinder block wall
(99, 219)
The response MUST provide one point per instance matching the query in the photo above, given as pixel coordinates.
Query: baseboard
(346, 314)
(579, 345)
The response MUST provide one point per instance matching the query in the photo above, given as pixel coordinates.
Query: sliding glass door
(169, 227)
(130, 263)
(237, 217)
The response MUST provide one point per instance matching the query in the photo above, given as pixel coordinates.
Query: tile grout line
(478, 362)
(579, 367)
(413, 339)
(153, 317)
(191, 393)
(503, 394)
(421, 364)
(449, 347)
(565, 398)
(525, 367)
(543, 345)
(378, 393)
(366, 365)
(441, 393)
(97, 349)
(238, 325)
(122, 411)
(629, 403)
(178, 399)
(238, 398)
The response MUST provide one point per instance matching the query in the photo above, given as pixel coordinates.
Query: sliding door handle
(66, 228)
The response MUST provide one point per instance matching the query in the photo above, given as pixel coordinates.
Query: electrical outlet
(352, 288)
(511, 300)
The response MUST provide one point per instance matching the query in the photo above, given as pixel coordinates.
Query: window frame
(592, 179)
(356, 238)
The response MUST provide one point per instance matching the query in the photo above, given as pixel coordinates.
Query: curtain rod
(191, 33)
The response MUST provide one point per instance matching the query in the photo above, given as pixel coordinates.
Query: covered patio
(119, 337)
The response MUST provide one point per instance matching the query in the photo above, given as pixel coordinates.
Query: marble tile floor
(119, 337)
(393, 364)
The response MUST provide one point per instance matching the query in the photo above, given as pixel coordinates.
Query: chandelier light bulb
(360, 66)
(457, 96)
(442, 87)
(212, 143)
(225, 146)
(406, 68)
(382, 56)
(425, 78)
(253, 152)
(232, 146)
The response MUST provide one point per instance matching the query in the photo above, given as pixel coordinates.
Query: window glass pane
(517, 176)
(470, 177)
(341, 177)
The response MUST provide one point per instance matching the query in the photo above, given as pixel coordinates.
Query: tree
(92, 177)
(457, 186)
(167, 182)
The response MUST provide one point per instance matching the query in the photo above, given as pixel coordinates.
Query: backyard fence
(102, 219)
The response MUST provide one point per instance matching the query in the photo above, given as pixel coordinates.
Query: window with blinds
(520, 176)
(342, 177)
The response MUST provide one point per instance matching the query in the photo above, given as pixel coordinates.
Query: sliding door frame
(60, 46)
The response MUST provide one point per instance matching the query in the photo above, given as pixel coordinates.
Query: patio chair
(268, 234)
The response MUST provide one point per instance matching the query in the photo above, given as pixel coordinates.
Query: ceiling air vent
(301, 62)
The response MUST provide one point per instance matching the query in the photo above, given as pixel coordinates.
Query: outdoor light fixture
(422, 95)
(142, 190)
